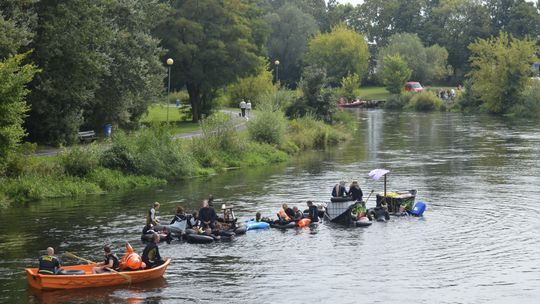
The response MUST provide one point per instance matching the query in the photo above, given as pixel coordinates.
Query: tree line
(73, 65)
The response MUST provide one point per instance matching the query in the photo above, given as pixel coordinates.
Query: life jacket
(48, 264)
(116, 261)
(283, 215)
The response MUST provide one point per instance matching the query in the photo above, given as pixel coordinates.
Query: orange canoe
(50, 282)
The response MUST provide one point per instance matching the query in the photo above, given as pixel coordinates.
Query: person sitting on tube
(339, 190)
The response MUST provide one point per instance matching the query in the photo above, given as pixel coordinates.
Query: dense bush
(79, 161)
(349, 86)
(398, 102)
(426, 101)
(344, 119)
(108, 179)
(151, 152)
(219, 133)
(251, 88)
(268, 127)
(528, 104)
(308, 132)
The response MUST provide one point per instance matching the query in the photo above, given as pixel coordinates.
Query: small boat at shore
(354, 104)
(86, 279)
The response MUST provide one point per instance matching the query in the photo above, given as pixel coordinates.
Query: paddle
(71, 255)
(369, 196)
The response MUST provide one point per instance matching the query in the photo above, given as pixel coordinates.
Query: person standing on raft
(111, 262)
(150, 255)
(355, 192)
(151, 218)
(49, 264)
(339, 190)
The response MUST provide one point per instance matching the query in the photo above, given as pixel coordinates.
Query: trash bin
(178, 103)
(108, 130)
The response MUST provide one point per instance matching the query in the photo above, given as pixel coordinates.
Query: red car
(412, 86)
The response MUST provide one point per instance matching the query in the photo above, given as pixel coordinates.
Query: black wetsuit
(313, 214)
(48, 264)
(339, 191)
(356, 193)
(290, 213)
(151, 256)
(298, 215)
(207, 215)
(178, 218)
(114, 258)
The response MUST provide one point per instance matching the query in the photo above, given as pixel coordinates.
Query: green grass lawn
(373, 93)
(157, 113)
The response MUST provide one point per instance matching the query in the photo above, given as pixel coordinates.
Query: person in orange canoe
(49, 264)
(110, 262)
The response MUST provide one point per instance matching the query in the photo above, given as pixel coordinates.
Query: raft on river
(86, 279)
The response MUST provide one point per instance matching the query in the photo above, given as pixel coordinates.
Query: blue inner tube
(199, 239)
(283, 226)
(70, 272)
(252, 225)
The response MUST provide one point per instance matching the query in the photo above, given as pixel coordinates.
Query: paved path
(239, 123)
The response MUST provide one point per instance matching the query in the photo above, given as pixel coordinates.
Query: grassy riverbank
(151, 157)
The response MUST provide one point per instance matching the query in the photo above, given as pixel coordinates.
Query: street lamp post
(277, 71)
(169, 64)
(277, 78)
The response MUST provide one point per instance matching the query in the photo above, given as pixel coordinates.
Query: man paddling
(49, 264)
(110, 262)
(150, 255)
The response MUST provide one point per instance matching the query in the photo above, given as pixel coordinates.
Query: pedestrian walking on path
(248, 109)
(243, 108)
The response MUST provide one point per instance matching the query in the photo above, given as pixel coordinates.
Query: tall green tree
(524, 20)
(291, 31)
(427, 64)
(213, 44)
(14, 77)
(454, 24)
(17, 25)
(380, 19)
(340, 52)
(317, 99)
(69, 47)
(395, 73)
(500, 70)
(135, 75)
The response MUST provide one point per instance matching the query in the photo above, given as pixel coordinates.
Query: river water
(478, 241)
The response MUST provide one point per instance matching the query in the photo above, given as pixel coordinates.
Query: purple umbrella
(376, 174)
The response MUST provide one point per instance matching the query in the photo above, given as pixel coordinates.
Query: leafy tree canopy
(500, 70)
(14, 77)
(291, 31)
(340, 52)
(213, 43)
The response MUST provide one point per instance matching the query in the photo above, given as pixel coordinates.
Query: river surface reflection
(478, 241)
